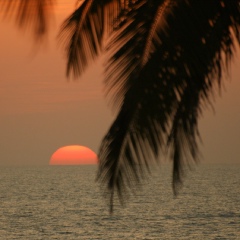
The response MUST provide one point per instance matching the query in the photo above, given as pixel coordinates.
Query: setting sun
(73, 155)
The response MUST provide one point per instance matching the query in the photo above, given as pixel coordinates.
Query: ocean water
(66, 203)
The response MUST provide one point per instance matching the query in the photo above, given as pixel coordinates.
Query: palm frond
(35, 14)
(82, 33)
(165, 96)
(213, 48)
(123, 153)
(132, 43)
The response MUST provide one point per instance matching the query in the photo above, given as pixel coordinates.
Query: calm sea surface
(66, 203)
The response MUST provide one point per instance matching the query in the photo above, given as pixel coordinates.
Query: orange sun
(73, 155)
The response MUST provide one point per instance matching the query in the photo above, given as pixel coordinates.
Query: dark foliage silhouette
(165, 60)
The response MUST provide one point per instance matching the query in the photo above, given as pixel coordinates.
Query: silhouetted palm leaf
(83, 32)
(35, 13)
(162, 99)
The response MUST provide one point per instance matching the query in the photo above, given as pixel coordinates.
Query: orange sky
(41, 111)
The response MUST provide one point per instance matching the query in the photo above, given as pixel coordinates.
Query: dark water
(66, 203)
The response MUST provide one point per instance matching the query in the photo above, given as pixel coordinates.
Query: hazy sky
(41, 111)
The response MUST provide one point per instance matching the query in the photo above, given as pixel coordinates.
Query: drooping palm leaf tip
(83, 32)
(34, 14)
(166, 59)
